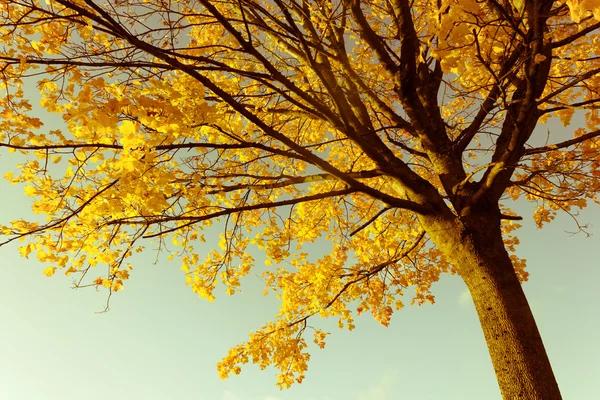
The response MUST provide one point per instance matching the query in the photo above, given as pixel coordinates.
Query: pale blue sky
(160, 341)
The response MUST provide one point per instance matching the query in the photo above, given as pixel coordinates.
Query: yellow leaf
(565, 116)
(49, 271)
(127, 128)
(30, 191)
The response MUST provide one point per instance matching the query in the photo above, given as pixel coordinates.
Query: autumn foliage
(399, 132)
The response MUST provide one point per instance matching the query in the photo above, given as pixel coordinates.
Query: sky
(159, 340)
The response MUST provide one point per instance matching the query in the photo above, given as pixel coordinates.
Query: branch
(580, 78)
(409, 177)
(562, 145)
(467, 134)
(586, 105)
(465, 137)
(511, 217)
(521, 116)
(377, 268)
(227, 211)
(405, 147)
(374, 270)
(57, 61)
(241, 145)
(404, 74)
(293, 181)
(63, 219)
(576, 36)
(370, 221)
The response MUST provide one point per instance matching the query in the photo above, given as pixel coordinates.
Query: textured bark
(474, 245)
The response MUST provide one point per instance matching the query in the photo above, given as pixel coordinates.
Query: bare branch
(227, 211)
(562, 145)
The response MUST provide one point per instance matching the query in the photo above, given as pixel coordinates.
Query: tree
(401, 132)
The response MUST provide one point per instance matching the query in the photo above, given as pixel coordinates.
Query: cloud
(464, 299)
(379, 391)
(229, 395)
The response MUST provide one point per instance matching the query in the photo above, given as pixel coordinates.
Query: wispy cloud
(464, 299)
(229, 395)
(379, 391)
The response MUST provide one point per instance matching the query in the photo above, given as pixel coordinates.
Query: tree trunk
(477, 250)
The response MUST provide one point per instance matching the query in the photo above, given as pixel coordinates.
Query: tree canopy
(399, 132)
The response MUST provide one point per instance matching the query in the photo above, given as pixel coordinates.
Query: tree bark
(475, 246)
